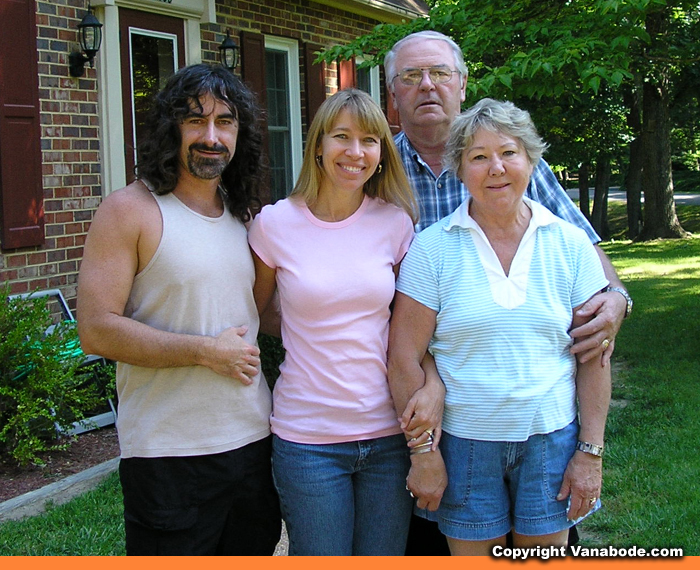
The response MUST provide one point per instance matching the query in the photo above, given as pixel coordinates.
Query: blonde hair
(390, 183)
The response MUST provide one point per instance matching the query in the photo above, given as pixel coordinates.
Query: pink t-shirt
(336, 282)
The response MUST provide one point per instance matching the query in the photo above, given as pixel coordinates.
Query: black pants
(221, 504)
(425, 539)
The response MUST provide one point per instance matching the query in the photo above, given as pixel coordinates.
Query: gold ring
(605, 344)
(592, 501)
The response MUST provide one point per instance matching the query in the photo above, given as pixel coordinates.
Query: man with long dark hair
(165, 289)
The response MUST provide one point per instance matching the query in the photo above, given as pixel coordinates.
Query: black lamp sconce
(228, 52)
(90, 38)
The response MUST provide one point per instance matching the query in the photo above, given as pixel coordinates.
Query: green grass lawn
(651, 491)
(90, 525)
(652, 466)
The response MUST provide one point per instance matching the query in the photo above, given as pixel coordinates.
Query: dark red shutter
(21, 194)
(253, 64)
(315, 81)
(346, 74)
(392, 115)
(253, 74)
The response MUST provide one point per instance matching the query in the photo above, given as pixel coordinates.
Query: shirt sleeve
(407, 234)
(417, 277)
(545, 189)
(259, 240)
(590, 277)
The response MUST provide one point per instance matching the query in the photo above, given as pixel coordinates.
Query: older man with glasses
(427, 79)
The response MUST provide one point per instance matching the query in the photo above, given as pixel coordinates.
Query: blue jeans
(344, 499)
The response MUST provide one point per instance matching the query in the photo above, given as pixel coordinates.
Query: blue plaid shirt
(439, 197)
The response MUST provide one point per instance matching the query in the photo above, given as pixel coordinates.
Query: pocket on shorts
(557, 450)
(157, 498)
(458, 455)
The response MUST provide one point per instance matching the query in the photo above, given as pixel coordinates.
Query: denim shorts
(496, 486)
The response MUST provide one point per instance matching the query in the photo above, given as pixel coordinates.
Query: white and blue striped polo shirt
(501, 343)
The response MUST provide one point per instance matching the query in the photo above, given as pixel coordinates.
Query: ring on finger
(592, 501)
(605, 344)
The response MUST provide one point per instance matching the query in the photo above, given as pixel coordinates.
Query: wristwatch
(626, 295)
(590, 448)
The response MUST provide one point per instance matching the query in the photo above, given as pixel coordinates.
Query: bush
(43, 387)
(686, 181)
(271, 356)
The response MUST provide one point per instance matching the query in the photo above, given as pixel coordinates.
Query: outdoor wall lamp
(90, 38)
(228, 52)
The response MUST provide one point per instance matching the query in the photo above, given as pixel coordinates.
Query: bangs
(368, 116)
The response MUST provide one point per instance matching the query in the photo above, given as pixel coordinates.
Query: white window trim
(291, 48)
(374, 84)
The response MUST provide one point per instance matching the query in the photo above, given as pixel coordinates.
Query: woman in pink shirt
(332, 249)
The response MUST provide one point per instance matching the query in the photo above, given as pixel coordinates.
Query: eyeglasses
(414, 75)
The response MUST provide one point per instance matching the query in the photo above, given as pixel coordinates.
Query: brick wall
(301, 20)
(70, 122)
(70, 157)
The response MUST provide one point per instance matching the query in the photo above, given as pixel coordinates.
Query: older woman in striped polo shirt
(492, 291)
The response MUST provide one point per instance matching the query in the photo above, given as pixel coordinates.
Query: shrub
(43, 387)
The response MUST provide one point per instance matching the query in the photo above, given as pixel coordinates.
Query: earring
(380, 166)
(319, 159)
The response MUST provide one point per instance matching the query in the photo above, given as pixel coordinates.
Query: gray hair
(390, 57)
(498, 117)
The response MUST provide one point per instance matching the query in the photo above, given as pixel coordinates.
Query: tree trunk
(583, 183)
(599, 217)
(633, 186)
(660, 219)
(633, 178)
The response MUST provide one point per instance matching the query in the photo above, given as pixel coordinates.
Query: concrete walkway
(34, 502)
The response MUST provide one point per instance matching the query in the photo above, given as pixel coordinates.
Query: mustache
(205, 148)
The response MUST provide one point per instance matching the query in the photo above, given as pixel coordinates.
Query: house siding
(70, 121)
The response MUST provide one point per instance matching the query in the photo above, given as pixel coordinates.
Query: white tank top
(199, 282)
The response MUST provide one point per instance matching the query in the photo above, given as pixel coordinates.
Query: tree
(566, 51)
(660, 220)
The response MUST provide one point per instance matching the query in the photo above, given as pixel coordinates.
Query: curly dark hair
(159, 149)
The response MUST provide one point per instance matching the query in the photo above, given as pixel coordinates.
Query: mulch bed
(87, 450)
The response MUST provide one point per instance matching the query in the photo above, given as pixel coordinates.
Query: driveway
(615, 194)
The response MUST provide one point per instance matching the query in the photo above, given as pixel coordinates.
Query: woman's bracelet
(420, 449)
(424, 447)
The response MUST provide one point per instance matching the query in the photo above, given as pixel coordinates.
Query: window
(153, 57)
(283, 114)
(152, 52)
(368, 80)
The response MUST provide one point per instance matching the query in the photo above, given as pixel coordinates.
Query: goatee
(204, 167)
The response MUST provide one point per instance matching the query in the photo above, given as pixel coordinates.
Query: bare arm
(266, 300)
(584, 474)
(609, 310)
(424, 410)
(116, 248)
(412, 326)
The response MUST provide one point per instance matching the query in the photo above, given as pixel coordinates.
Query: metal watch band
(627, 297)
(590, 448)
